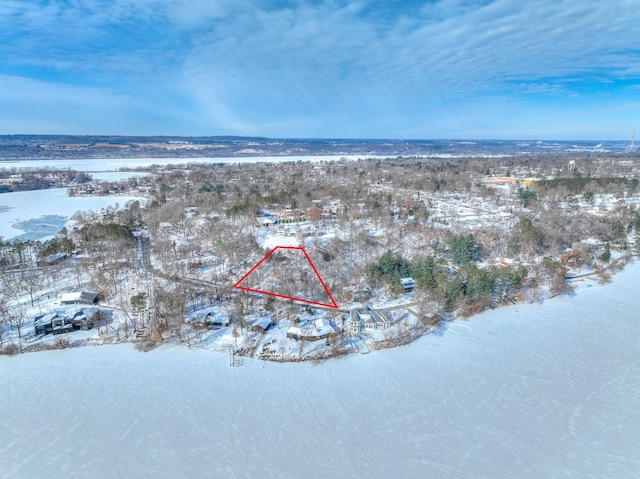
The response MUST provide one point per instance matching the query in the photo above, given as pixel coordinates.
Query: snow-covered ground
(541, 390)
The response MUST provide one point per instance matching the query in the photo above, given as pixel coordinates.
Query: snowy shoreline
(535, 390)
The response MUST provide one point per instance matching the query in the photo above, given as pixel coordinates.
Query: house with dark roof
(79, 297)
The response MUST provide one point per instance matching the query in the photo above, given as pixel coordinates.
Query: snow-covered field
(549, 390)
(39, 214)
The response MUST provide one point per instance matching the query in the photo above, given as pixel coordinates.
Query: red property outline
(326, 290)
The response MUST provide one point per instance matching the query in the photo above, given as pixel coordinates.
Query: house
(217, 320)
(296, 332)
(265, 221)
(64, 321)
(42, 323)
(55, 323)
(369, 320)
(357, 319)
(319, 329)
(261, 325)
(81, 318)
(79, 297)
(52, 259)
(408, 284)
(61, 324)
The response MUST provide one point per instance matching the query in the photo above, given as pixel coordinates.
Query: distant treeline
(577, 185)
(13, 179)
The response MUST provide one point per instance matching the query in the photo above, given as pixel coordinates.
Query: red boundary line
(326, 290)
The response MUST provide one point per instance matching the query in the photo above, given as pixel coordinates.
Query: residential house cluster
(277, 215)
(65, 321)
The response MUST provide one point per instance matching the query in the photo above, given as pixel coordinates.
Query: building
(319, 329)
(55, 323)
(65, 321)
(408, 284)
(265, 221)
(61, 324)
(217, 320)
(368, 320)
(79, 297)
(52, 259)
(42, 324)
(261, 325)
(501, 181)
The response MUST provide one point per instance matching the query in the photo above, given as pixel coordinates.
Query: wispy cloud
(329, 67)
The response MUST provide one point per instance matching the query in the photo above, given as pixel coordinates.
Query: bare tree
(16, 318)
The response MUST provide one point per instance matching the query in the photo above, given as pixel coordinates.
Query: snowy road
(548, 390)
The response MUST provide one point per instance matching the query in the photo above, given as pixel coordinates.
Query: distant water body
(370, 149)
(40, 214)
(119, 164)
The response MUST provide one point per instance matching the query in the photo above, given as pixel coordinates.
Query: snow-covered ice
(115, 164)
(53, 206)
(542, 390)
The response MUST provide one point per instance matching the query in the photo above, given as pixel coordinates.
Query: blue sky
(503, 69)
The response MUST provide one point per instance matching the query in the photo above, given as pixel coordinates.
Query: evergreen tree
(462, 249)
(453, 291)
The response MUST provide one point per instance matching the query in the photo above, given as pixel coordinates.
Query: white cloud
(480, 49)
(258, 66)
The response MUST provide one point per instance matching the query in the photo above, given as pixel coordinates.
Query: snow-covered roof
(46, 319)
(320, 328)
(78, 297)
(592, 242)
(218, 318)
(52, 258)
(322, 322)
(323, 328)
(264, 322)
(296, 331)
(70, 297)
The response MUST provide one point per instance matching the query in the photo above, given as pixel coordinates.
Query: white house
(265, 222)
(320, 329)
(217, 320)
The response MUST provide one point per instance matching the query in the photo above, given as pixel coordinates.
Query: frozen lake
(39, 214)
(529, 391)
(115, 164)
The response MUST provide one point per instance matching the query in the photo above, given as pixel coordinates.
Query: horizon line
(304, 138)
